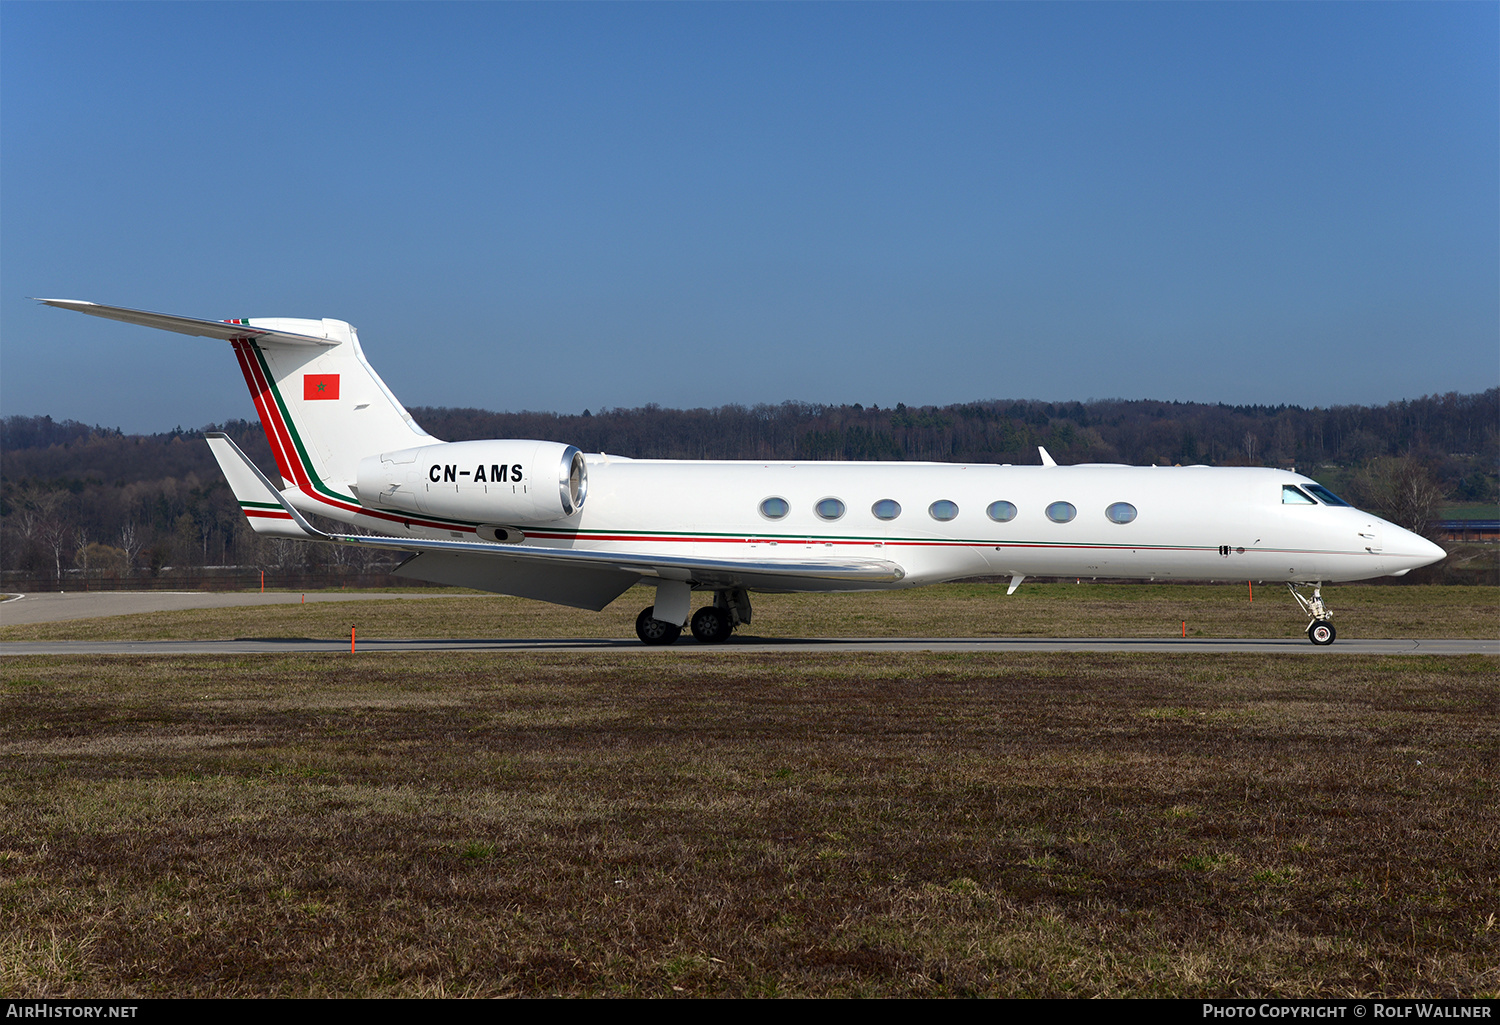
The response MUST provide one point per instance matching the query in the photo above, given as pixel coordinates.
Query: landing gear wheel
(1320, 631)
(652, 630)
(711, 625)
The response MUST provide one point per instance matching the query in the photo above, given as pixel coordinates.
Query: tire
(711, 625)
(652, 630)
(1321, 632)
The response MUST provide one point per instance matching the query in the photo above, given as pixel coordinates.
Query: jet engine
(501, 482)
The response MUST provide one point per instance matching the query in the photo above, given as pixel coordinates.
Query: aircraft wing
(582, 578)
(593, 578)
(225, 330)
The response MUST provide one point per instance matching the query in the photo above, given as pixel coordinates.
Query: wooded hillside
(72, 495)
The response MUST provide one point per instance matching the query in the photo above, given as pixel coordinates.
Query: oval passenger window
(774, 508)
(1061, 512)
(943, 509)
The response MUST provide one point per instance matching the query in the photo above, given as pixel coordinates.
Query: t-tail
(322, 405)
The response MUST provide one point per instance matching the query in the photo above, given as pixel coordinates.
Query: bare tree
(1403, 490)
(131, 543)
(54, 533)
(81, 553)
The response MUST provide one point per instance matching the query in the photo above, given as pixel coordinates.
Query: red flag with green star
(320, 386)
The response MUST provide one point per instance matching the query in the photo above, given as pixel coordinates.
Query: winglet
(1047, 459)
(266, 508)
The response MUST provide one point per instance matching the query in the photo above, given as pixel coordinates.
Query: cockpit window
(1328, 497)
(1294, 496)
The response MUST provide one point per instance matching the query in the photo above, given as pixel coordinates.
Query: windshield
(1326, 496)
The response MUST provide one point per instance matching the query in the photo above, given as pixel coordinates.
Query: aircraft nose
(1430, 552)
(1415, 551)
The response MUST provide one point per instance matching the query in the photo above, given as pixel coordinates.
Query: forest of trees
(76, 498)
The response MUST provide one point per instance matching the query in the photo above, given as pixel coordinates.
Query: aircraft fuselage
(1195, 522)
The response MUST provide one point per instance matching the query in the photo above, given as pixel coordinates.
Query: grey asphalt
(284, 645)
(39, 608)
(56, 606)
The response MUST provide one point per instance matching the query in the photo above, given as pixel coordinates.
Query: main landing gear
(652, 630)
(1320, 631)
(711, 624)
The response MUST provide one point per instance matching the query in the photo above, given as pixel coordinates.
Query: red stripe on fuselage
(793, 542)
(264, 404)
(288, 460)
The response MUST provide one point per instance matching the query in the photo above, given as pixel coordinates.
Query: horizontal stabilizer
(190, 326)
(268, 512)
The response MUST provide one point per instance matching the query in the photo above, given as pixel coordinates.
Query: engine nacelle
(488, 482)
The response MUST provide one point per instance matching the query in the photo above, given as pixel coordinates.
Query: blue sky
(569, 206)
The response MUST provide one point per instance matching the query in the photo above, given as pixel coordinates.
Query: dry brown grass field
(749, 825)
(951, 610)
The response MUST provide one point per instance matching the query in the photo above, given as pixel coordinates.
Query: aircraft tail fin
(267, 510)
(322, 405)
(323, 409)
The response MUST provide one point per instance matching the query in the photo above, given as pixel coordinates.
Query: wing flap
(577, 586)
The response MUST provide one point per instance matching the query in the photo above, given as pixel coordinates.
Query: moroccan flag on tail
(320, 386)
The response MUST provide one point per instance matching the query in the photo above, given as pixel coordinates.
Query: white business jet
(542, 520)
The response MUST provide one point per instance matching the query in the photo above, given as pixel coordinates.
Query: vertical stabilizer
(323, 407)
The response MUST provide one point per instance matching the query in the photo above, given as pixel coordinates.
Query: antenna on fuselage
(1047, 459)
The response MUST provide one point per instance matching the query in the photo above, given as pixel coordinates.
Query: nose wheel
(1320, 630)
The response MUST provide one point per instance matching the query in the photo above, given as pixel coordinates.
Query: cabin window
(1328, 497)
(829, 509)
(1001, 512)
(1294, 496)
(1120, 512)
(1061, 512)
(774, 508)
(886, 509)
(943, 509)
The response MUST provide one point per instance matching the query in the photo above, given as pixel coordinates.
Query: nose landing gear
(1320, 631)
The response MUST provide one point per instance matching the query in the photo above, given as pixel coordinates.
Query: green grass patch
(949, 610)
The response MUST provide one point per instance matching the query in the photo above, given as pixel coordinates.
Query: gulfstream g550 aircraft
(540, 519)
